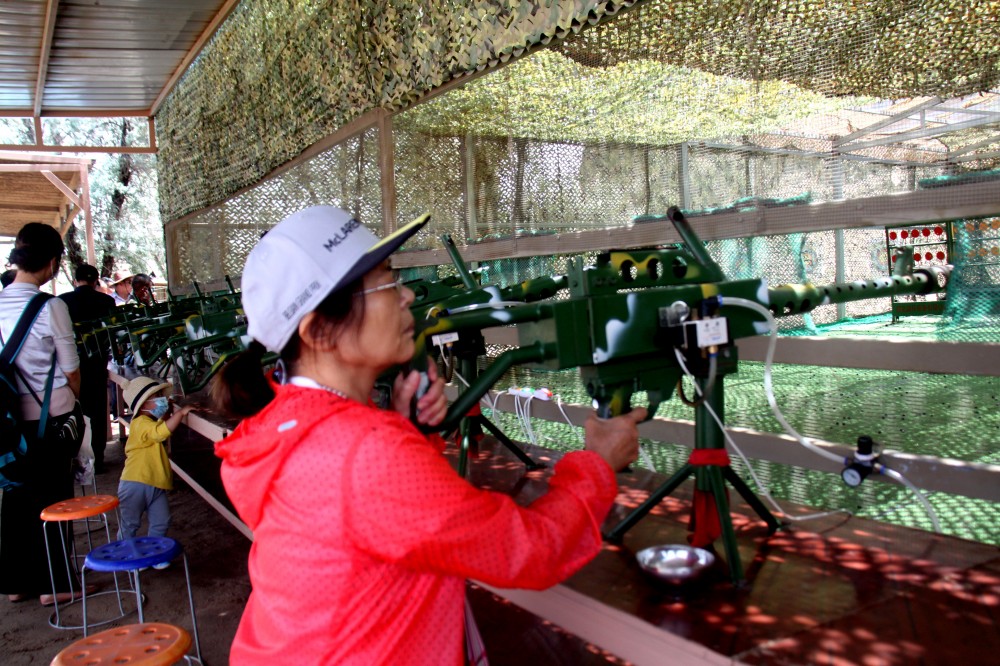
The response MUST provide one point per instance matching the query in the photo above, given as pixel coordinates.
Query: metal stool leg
(134, 554)
(194, 619)
(52, 575)
(64, 514)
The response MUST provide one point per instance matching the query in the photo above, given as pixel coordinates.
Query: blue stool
(133, 555)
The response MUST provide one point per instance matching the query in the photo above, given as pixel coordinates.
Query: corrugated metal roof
(98, 57)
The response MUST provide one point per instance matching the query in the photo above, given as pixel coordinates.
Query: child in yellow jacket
(147, 476)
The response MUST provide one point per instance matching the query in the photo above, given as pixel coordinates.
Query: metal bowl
(675, 563)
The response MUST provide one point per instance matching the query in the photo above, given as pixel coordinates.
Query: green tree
(128, 234)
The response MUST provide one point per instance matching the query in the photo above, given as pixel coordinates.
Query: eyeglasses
(396, 284)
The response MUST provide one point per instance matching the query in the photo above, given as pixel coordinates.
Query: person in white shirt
(24, 570)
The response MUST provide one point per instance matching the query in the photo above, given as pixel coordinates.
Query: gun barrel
(456, 258)
(791, 299)
(694, 245)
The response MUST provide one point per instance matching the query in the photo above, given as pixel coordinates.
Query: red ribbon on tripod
(704, 523)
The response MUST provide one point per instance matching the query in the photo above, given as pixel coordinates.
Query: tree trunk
(119, 197)
(74, 251)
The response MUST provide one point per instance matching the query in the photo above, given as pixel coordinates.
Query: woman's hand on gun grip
(432, 406)
(615, 439)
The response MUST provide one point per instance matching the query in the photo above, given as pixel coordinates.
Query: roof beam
(26, 207)
(76, 112)
(51, 10)
(936, 157)
(36, 167)
(973, 199)
(81, 149)
(974, 146)
(18, 156)
(885, 122)
(62, 187)
(944, 128)
(975, 157)
(970, 111)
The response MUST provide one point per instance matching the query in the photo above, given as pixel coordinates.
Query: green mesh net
(901, 411)
(732, 111)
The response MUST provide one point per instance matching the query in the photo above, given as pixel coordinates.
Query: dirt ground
(217, 557)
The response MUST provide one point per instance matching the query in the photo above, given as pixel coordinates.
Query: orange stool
(61, 513)
(148, 644)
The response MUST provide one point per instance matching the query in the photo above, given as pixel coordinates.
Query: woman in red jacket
(364, 535)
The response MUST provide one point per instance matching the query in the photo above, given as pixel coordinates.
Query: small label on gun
(444, 338)
(712, 332)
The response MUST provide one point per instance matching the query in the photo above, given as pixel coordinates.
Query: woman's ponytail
(241, 389)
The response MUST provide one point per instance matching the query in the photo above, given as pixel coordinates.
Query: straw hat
(141, 389)
(119, 276)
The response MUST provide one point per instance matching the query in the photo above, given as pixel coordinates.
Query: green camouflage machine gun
(621, 324)
(457, 293)
(191, 336)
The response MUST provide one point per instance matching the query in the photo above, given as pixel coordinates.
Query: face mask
(159, 408)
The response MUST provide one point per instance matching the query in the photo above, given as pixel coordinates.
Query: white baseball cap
(302, 260)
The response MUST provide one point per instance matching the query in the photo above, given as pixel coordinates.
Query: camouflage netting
(279, 75)
(601, 126)
(216, 243)
(901, 411)
(883, 48)
(731, 110)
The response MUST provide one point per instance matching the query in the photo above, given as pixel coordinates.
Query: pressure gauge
(855, 473)
(851, 477)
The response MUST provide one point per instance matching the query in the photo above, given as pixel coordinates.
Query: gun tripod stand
(472, 426)
(709, 464)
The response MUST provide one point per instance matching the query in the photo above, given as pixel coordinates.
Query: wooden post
(387, 174)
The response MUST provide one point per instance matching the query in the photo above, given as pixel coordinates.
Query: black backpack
(13, 444)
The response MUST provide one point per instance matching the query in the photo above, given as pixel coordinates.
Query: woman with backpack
(45, 474)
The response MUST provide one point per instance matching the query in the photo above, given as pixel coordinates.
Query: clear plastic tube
(562, 411)
(769, 393)
(768, 385)
(729, 440)
(526, 420)
(896, 476)
(647, 460)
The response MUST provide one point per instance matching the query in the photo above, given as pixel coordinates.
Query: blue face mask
(159, 408)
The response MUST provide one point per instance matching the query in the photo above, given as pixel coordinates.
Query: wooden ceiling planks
(44, 188)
